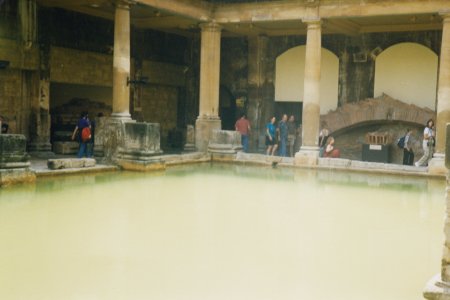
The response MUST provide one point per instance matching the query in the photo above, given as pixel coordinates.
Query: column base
(203, 130)
(121, 116)
(436, 289)
(436, 166)
(307, 156)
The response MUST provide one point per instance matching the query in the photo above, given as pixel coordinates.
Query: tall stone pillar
(438, 287)
(261, 90)
(208, 118)
(36, 83)
(436, 165)
(39, 140)
(309, 150)
(121, 61)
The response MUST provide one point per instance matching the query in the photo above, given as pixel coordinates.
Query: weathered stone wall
(356, 70)
(159, 105)
(80, 67)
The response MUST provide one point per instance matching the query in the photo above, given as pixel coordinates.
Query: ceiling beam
(342, 26)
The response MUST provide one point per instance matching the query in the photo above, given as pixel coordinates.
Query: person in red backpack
(83, 129)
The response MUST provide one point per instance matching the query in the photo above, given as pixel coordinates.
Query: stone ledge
(187, 158)
(156, 164)
(15, 176)
(69, 163)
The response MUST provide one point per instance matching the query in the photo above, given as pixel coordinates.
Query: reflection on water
(221, 232)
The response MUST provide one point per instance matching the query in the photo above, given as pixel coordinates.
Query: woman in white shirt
(427, 144)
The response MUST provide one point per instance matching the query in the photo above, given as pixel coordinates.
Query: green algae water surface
(221, 232)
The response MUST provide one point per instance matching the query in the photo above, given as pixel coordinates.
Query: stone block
(224, 142)
(65, 147)
(13, 148)
(68, 163)
(203, 131)
(140, 140)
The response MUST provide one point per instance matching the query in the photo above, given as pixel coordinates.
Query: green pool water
(221, 232)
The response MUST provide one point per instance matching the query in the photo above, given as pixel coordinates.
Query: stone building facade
(201, 63)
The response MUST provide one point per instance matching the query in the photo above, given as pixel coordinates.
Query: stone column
(438, 287)
(121, 61)
(208, 118)
(309, 153)
(39, 144)
(436, 165)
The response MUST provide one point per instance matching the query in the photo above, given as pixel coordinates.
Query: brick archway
(381, 109)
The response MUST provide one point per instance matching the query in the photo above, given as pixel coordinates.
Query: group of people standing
(428, 143)
(282, 136)
(279, 137)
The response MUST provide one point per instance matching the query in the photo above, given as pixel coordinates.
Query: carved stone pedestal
(203, 130)
(224, 144)
(14, 160)
(140, 148)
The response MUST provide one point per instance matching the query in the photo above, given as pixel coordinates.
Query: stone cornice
(293, 10)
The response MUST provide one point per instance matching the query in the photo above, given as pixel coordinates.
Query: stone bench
(70, 163)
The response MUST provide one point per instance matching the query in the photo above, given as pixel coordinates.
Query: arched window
(407, 72)
(289, 77)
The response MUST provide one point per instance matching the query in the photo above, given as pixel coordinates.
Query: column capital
(123, 4)
(312, 22)
(445, 15)
(211, 26)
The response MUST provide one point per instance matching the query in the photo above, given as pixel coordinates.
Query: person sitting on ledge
(330, 150)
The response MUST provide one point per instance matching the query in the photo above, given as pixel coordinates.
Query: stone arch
(289, 77)
(407, 71)
(379, 110)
